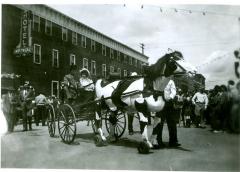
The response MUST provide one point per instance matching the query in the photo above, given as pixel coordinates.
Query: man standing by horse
(26, 95)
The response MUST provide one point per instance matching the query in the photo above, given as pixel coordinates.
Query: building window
(104, 51)
(37, 54)
(93, 67)
(111, 53)
(84, 41)
(72, 59)
(119, 71)
(125, 58)
(85, 63)
(135, 62)
(139, 64)
(55, 60)
(74, 38)
(125, 73)
(111, 69)
(36, 23)
(104, 70)
(55, 88)
(118, 56)
(48, 27)
(93, 45)
(130, 60)
(64, 34)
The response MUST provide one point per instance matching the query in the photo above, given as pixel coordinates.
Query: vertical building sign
(25, 45)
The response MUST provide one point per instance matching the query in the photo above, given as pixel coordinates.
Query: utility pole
(142, 47)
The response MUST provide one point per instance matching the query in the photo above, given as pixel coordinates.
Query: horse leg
(143, 128)
(156, 128)
(99, 126)
(112, 124)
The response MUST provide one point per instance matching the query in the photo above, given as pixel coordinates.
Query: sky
(200, 38)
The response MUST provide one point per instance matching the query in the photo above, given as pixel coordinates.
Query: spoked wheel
(51, 120)
(67, 123)
(120, 120)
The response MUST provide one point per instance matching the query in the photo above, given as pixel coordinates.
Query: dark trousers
(40, 115)
(26, 120)
(130, 122)
(169, 115)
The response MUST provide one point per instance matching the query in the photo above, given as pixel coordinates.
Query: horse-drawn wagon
(65, 116)
(115, 99)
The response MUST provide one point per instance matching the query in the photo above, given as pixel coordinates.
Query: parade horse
(9, 104)
(139, 95)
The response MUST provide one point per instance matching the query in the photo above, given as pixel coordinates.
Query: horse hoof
(143, 148)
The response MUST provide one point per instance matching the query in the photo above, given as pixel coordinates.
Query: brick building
(39, 43)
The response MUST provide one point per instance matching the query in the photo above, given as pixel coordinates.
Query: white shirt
(167, 85)
(86, 81)
(200, 98)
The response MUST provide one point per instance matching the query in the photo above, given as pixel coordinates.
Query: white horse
(133, 99)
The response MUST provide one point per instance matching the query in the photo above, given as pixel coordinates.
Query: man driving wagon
(77, 89)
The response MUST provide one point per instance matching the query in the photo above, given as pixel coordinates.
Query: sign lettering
(24, 47)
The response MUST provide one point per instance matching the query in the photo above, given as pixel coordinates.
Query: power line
(214, 59)
(192, 44)
(188, 11)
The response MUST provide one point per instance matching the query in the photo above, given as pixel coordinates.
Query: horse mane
(156, 69)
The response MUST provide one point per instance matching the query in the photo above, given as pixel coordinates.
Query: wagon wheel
(67, 123)
(120, 123)
(51, 120)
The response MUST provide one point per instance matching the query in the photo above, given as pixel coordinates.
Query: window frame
(125, 73)
(48, 21)
(55, 50)
(83, 41)
(125, 59)
(93, 45)
(65, 31)
(38, 22)
(111, 67)
(85, 59)
(104, 50)
(34, 53)
(74, 33)
(95, 67)
(118, 56)
(54, 81)
(111, 53)
(70, 59)
(120, 71)
(104, 70)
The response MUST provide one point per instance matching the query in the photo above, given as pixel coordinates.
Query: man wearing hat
(26, 96)
(70, 83)
(86, 85)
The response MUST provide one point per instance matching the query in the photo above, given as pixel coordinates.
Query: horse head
(170, 64)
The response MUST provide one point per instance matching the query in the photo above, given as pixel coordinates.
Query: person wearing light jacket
(86, 86)
(200, 100)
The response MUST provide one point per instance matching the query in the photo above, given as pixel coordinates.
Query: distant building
(40, 43)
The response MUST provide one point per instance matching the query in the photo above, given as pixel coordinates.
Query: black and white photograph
(125, 85)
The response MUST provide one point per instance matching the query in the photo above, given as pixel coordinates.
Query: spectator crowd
(218, 107)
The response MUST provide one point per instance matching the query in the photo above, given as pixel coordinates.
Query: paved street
(201, 150)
